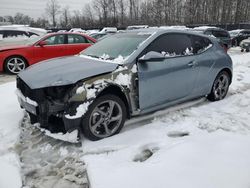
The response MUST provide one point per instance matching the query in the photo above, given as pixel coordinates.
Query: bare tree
(53, 9)
(65, 17)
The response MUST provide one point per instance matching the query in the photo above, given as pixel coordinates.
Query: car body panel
(166, 79)
(64, 71)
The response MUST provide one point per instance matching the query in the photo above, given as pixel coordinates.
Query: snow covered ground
(206, 145)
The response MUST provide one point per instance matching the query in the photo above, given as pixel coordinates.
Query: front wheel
(15, 64)
(220, 87)
(105, 117)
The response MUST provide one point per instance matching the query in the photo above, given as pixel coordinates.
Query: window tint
(76, 39)
(220, 34)
(200, 44)
(171, 45)
(10, 33)
(56, 39)
(33, 34)
(246, 33)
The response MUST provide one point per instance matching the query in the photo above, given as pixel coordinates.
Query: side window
(200, 44)
(1, 35)
(10, 33)
(220, 34)
(208, 32)
(172, 45)
(55, 40)
(32, 34)
(76, 39)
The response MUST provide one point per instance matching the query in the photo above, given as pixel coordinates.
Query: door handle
(193, 64)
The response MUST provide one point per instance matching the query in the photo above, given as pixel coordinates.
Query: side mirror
(42, 43)
(152, 56)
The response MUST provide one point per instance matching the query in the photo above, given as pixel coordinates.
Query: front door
(55, 47)
(170, 79)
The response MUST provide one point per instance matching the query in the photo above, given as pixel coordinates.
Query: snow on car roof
(205, 27)
(24, 28)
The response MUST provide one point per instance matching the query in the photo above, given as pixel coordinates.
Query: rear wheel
(15, 64)
(220, 87)
(105, 117)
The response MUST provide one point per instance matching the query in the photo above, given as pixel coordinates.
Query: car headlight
(78, 93)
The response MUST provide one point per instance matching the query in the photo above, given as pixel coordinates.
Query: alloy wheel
(105, 119)
(15, 65)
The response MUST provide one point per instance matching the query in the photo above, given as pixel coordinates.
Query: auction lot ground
(200, 144)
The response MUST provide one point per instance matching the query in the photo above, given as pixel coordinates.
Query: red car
(14, 59)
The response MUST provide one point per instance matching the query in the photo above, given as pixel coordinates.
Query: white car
(245, 45)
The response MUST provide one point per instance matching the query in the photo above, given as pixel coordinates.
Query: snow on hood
(64, 71)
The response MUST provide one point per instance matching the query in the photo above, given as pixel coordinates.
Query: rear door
(55, 47)
(170, 79)
(76, 43)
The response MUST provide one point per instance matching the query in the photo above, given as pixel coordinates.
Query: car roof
(159, 31)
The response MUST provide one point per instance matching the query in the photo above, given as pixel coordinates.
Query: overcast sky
(35, 8)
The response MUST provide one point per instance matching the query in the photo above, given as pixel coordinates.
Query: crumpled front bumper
(49, 114)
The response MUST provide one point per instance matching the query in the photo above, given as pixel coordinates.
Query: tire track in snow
(47, 162)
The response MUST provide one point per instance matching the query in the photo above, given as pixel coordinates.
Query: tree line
(121, 13)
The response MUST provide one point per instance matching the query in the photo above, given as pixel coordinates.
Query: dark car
(219, 33)
(239, 35)
(122, 76)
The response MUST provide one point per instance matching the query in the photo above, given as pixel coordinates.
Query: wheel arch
(119, 92)
(14, 55)
(229, 73)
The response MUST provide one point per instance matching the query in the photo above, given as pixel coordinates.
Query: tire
(247, 50)
(97, 123)
(242, 50)
(15, 64)
(220, 87)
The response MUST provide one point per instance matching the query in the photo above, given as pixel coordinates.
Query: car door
(76, 43)
(54, 47)
(170, 79)
(205, 59)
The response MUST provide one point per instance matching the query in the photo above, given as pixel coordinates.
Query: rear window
(200, 44)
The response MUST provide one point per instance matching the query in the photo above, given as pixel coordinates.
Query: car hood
(64, 71)
(6, 48)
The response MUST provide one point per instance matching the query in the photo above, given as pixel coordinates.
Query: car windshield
(116, 48)
(32, 40)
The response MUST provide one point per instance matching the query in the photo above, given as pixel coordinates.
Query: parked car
(100, 36)
(18, 34)
(245, 45)
(109, 30)
(132, 27)
(219, 33)
(9, 31)
(238, 35)
(97, 36)
(122, 76)
(14, 59)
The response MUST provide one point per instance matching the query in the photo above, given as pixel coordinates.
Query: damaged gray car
(123, 76)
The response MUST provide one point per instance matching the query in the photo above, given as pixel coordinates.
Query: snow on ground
(10, 117)
(203, 146)
(206, 145)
